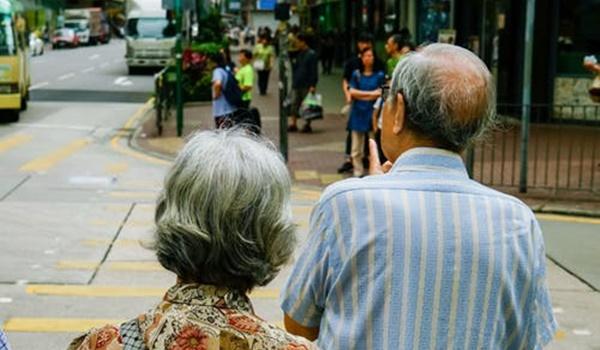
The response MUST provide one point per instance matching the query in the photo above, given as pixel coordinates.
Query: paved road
(95, 73)
(76, 201)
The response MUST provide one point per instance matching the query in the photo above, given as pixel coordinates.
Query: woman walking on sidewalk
(365, 88)
(263, 61)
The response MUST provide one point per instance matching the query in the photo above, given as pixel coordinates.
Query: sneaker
(345, 168)
(292, 128)
(306, 129)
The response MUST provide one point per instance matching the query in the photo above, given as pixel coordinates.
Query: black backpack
(231, 90)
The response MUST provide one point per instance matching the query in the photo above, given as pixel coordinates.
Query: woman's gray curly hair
(224, 215)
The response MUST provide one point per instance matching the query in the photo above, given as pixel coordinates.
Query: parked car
(65, 37)
(36, 45)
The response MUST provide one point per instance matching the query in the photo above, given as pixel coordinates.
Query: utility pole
(179, 67)
(283, 89)
(526, 97)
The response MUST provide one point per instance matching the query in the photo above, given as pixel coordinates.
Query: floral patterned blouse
(194, 317)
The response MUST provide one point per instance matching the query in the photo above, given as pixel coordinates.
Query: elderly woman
(223, 226)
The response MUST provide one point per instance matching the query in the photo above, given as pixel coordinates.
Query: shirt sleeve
(217, 75)
(354, 81)
(304, 295)
(544, 322)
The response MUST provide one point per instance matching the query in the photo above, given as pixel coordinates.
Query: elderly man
(422, 257)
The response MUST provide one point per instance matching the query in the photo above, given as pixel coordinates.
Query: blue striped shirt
(3, 341)
(422, 258)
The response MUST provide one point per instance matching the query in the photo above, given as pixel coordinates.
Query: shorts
(298, 96)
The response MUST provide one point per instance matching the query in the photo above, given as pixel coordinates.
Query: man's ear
(399, 115)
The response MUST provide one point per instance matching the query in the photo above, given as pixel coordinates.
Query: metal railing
(562, 149)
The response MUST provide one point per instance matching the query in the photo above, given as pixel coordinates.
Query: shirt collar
(208, 295)
(428, 159)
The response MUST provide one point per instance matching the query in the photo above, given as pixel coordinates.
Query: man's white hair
(448, 92)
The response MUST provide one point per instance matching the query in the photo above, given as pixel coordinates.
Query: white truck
(149, 35)
(89, 25)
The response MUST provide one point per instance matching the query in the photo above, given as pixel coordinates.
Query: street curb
(133, 144)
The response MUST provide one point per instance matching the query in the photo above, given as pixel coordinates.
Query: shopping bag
(311, 107)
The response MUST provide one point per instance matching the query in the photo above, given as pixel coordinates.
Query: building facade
(565, 31)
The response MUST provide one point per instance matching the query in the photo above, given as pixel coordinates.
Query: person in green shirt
(245, 77)
(263, 61)
(396, 48)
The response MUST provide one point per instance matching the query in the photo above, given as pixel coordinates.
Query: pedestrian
(591, 64)
(3, 341)
(396, 48)
(364, 41)
(365, 88)
(305, 75)
(263, 62)
(222, 109)
(223, 227)
(419, 256)
(245, 77)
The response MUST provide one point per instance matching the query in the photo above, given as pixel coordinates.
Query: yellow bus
(14, 64)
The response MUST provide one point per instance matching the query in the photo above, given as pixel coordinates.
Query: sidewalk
(313, 158)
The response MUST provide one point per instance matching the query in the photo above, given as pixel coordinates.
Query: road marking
(123, 81)
(558, 310)
(118, 243)
(327, 179)
(39, 85)
(35, 324)
(560, 335)
(94, 57)
(138, 266)
(567, 218)
(130, 223)
(46, 162)
(121, 291)
(306, 175)
(14, 141)
(5, 300)
(584, 332)
(133, 195)
(88, 70)
(57, 126)
(116, 146)
(117, 168)
(66, 76)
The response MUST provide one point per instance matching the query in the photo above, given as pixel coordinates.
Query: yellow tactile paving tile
(302, 175)
(327, 179)
(568, 218)
(13, 141)
(47, 161)
(121, 291)
(47, 325)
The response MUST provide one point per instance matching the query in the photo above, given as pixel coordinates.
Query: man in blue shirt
(419, 256)
(222, 109)
(3, 341)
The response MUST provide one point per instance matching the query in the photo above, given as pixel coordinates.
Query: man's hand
(297, 329)
(375, 167)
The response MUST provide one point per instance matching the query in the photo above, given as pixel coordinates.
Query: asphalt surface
(76, 201)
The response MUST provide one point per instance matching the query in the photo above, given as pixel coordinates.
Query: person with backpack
(226, 93)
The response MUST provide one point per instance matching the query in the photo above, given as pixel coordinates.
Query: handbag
(311, 107)
(259, 64)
